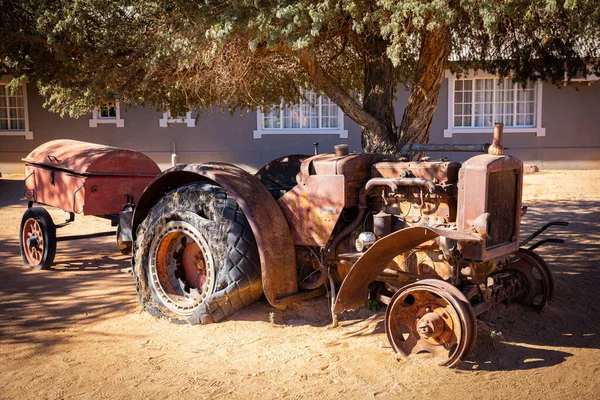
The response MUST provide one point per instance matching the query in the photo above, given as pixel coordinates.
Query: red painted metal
(85, 177)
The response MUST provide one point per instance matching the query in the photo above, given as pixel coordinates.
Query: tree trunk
(376, 128)
(425, 90)
(378, 96)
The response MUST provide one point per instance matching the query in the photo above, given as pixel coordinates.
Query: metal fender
(270, 229)
(354, 290)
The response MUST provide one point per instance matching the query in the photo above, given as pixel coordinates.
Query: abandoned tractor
(436, 241)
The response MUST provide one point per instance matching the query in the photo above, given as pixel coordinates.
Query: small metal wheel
(123, 246)
(37, 238)
(431, 316)
(536, 281)
(181, 266)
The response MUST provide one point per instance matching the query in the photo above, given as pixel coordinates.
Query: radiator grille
(502, 206)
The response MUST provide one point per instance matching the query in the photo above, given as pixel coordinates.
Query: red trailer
(80, 178)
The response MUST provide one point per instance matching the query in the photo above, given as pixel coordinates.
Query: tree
(179, 54)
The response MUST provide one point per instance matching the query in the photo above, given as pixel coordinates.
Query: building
(548, 126)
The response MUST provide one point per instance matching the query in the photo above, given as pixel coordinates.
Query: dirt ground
(76, 330)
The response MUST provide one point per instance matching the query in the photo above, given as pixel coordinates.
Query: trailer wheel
(37, 238)
(195, 257)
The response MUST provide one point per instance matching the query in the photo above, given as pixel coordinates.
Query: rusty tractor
(436, 241)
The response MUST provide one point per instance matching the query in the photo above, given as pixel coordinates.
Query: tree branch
(343, 99)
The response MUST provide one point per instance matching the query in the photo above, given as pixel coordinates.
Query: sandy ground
(76, 331)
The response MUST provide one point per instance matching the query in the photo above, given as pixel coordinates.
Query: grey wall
(571, 116)
(217, 136)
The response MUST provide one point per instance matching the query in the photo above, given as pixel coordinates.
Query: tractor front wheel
(431, 316)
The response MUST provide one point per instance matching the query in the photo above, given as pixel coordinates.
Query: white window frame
(261, 130)
(168, 119)
(451, 130)
(28, 134)
(98, 119)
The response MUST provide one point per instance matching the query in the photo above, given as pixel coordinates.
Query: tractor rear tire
(195, 256)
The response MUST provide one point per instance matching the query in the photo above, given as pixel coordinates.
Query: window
(109, 113)
(476, 103)
(168, 119)
(14, 118)
(314, 115)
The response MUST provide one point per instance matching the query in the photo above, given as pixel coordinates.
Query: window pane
(458, 85)
(468, 85)
(313, 112)
(458, 121)
(458, 97)
(467, 121)
(529, 120)
(3, 124)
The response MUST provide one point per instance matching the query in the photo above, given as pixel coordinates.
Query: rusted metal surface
(354, 290)
(270, 229)
(496, 148)
(355, 167)
(491, 184)
(442, 172)
(313, 208)
(537, 283)
(85, 177)
(463, 148)
(395, 183)
(431, 316)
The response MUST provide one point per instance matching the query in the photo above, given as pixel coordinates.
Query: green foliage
(177, 54)
(374, 305)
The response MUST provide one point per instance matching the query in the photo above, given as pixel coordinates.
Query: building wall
(217, 136)
(571, 116)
